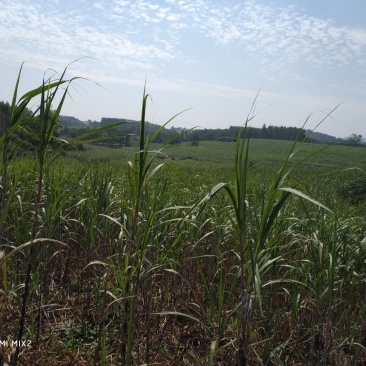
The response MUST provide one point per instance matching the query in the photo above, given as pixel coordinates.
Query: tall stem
(30, 262)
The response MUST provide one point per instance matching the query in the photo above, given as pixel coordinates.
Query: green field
(187, 277)
(325, 174)
(220, 254)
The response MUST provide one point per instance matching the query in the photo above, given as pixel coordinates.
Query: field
(184, 291)
(247, 253)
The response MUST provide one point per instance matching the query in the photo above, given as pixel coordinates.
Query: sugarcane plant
(40, 126)
(253, 237)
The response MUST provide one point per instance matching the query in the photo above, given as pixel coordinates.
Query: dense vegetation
(249, 252)
(73, 127)
(129, 131)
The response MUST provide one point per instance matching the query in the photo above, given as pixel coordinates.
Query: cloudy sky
(212, 56)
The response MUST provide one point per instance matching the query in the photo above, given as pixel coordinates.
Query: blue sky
(306, 57)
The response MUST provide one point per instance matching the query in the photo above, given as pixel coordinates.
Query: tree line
(178, 135)
(126, 134)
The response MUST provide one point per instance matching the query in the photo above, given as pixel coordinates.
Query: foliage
(139, 256)
(69, 121)
(354, 139)
(174, 135)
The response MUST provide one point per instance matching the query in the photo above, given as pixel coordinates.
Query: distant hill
(74, 127)
(321, 137)
(69, 121)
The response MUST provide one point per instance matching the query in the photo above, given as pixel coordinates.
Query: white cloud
(98, 6)
(31, 33)
(250, 23)
(134, 37)
(267, 30)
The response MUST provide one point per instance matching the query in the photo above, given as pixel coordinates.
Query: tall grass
(132, 262)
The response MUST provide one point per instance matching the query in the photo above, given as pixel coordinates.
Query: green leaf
(303, 195)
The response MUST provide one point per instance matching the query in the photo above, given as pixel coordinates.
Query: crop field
(247, 253)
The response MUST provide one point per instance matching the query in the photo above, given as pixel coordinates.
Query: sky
(297, 60)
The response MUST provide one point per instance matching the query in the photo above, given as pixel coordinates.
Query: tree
(4, 115)
(264, 131)
(354, 139)
(172, 136)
